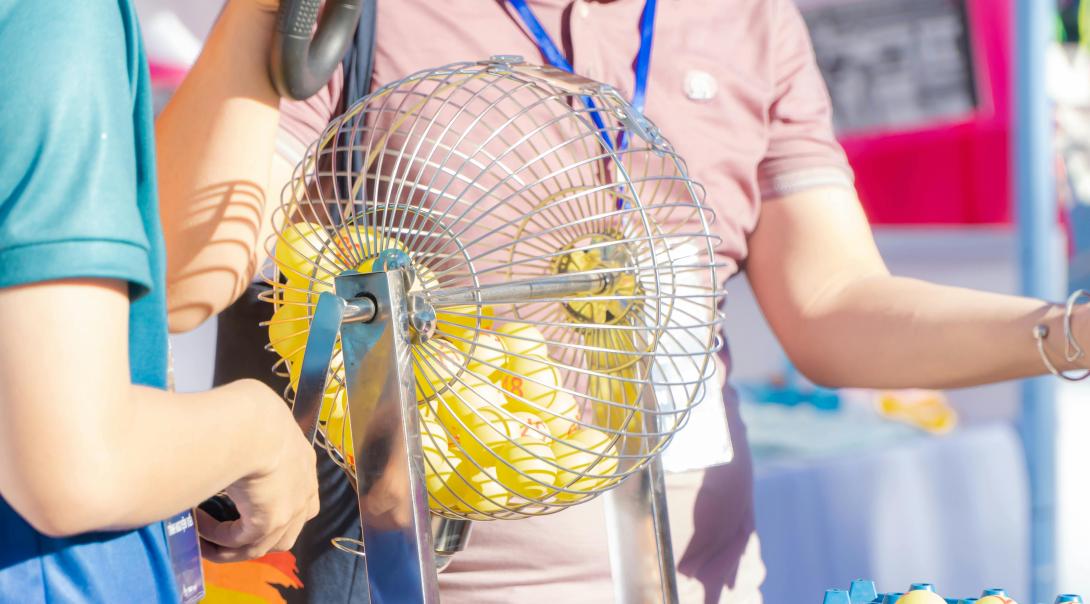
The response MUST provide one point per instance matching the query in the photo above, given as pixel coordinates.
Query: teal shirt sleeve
(68, 168)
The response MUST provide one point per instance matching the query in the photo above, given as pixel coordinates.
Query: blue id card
(185, 557)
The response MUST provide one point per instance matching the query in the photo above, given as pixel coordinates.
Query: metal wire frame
(487, 174)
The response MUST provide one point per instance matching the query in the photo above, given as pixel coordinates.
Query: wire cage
(567, 257)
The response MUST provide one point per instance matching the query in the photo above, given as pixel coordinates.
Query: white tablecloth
(952, 511)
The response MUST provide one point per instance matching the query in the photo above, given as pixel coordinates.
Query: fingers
(239, 540)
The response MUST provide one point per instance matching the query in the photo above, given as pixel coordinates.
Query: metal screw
(421, 319)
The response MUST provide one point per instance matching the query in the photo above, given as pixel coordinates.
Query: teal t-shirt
(78, 199)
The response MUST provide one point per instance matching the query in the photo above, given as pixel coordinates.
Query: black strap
(359, 60)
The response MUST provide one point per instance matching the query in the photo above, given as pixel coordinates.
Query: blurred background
(896, 486)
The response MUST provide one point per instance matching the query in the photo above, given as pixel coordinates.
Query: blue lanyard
(557, 59)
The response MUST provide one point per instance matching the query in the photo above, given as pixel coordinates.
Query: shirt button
(700, 85)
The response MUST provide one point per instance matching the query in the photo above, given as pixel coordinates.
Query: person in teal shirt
(94, 453)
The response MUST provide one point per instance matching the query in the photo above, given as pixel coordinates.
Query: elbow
(192, 302)
(821, 369)
(70, 507)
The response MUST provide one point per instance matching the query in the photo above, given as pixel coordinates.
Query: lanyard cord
(557, 59)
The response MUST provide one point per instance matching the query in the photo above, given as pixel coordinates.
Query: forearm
(163, 469)
(214, 143)
(891, 332)
(149, 455)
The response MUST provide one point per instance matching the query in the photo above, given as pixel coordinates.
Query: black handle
(220, 508)
(300, 65)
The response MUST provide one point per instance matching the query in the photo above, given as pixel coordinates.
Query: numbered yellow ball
(477, 490)
(530, 383)
(561, 416)
(534, 469)
(587, 461)
(921, 597)
(434, 366)
(300, 248)
(463, 322)
(522, 339)
(490, 430)
(485, 358)
(288, 330)
(463, 397)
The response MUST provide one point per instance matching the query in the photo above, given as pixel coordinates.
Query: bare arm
(82, 449)
(845, 321)
(214, 141)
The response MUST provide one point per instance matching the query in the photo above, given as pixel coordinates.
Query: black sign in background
(894, 64)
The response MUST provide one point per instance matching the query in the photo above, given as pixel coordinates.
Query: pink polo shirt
(734, 86)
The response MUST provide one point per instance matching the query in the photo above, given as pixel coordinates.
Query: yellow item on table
(434, 366)
(522, 339)
(586, 451)
(533, 380)
(476, 490)
(534, 471)
(927, 410)
(921, 596)
(486, 358)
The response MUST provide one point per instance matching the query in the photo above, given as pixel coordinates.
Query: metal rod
(1041, 265)
(525, 290)
(640, 550)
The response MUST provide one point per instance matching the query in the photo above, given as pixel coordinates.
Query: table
(950, 510)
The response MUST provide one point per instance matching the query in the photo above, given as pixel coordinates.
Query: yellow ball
(921, 597)
(477, 491)
(522, 339)
(534, 464)
(288, 330)
(484, 359)
(529, 426)
(463, 322)
(302, 246)
(459, 410)
(616, 400)
(586, 451)
(491, 430)
(530, 382)
(433, 441)
(307, 294)
(434, 366)
(613, 349)
(987, 600)
(561, 416)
